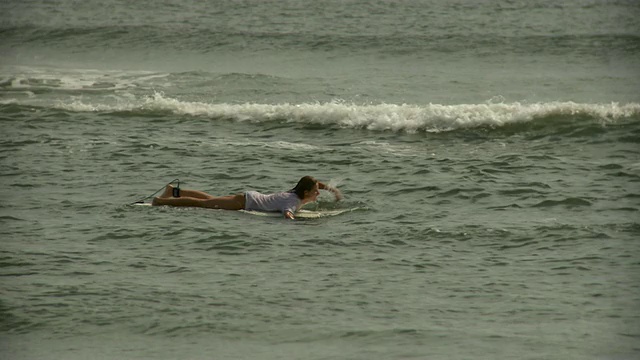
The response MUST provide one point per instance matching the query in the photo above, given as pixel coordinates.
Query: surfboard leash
(176, 192)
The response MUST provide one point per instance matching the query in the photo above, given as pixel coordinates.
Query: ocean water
(488, 154)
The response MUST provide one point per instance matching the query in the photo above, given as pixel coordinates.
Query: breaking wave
(381, 117)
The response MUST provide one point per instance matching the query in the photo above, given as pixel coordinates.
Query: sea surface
(488, 152)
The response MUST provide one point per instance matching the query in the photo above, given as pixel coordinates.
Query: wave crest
(380, 117)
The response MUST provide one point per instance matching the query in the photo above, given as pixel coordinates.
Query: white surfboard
(303, 214)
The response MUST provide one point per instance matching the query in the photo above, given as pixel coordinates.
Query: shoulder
(285, 195)
(292, 196)
(289, 201)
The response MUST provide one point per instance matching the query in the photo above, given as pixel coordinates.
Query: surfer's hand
(337, 193)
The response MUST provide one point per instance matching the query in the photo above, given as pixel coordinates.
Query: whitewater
(408, 118)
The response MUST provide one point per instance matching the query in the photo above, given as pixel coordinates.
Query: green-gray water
(490, 151)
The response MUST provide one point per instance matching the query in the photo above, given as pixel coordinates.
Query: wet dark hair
(305, 184)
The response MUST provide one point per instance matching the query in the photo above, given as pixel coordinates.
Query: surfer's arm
(336, 192)
(289, 215)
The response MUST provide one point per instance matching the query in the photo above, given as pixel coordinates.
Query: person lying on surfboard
(288, 202)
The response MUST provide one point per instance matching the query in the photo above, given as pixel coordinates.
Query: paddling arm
(336, 192)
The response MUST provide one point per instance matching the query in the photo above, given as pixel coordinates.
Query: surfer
(288, 202)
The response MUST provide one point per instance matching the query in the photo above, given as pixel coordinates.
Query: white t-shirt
(282, 202)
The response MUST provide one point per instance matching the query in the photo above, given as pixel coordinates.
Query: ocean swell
(380, 117)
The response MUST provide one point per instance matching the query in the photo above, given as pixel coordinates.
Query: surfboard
(303, 214)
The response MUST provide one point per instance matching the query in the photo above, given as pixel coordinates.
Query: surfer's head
(307, 189)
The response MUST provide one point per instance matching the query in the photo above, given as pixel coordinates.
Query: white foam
(274, 145)
(395, 149)
(76, 79)
(408, 118)
(293, 146)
